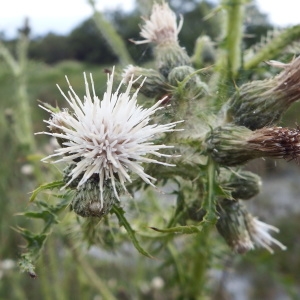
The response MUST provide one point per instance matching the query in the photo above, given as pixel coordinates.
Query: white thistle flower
(161, 27)
(110, 137)
(259, 233)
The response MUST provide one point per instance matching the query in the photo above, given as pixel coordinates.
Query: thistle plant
(192, 131)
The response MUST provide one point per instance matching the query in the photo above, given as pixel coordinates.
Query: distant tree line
(85, 43)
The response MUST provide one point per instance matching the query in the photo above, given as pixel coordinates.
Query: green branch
(229, 61)
(113, 39)
(273, 47)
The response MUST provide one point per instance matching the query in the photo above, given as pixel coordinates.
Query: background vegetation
(114, 269)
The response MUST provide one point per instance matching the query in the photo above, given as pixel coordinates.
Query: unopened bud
(72, 184)
(87, 200)
(262, 103)
(186, 79)
(168, 57)
(154, 86)
(204, 52)
(195, 212)
(227, 145)
(233, 145)
(242, 185)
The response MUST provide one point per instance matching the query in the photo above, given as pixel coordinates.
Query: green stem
(46, 288)
(209, 203)
(111, 36)
(200, 265)
(274, 47)
(24, 111)
(91, 274)
(119, 212)
(57, 287)
(177, 263)
(202, 247)
(235, 15)
(24, 129)
(12, 63)
(229, 61)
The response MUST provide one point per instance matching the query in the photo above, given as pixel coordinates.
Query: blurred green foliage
(63, 272)
(85, 43)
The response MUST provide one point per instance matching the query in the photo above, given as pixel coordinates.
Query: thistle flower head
(162, 30)
(108, 138)
(241, 184)
(161, 27)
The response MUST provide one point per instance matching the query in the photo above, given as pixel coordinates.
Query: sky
(61, 16)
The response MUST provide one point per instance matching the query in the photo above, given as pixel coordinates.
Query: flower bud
(262, 103)
(227, 145)
(154, 86)
(68, 176)
(188, 80)
(169, 56)
(87, 200)
(233, 145)
(204, 52)
(242, 184)
(231, 225)
(195, 212)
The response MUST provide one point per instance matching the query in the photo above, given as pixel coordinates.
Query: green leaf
(119, 212)
(188, 229)
(47, 186)
(35, 241)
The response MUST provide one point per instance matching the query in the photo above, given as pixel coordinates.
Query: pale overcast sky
(61, 16)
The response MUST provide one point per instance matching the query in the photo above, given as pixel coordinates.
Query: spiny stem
(113, 39)
(209, 202)
(229, 60)
(274, 47)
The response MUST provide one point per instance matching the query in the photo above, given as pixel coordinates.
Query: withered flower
(234, 145)
(261, 103)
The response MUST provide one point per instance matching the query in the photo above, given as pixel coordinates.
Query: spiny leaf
(119, 212)
(47, 216)
(48, 213)
(189, 229)
(47, 186)
(57, 207)
(35, 241)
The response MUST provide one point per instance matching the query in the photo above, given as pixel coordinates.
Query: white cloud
(61, 16)
(58, 16)
(281, 12)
